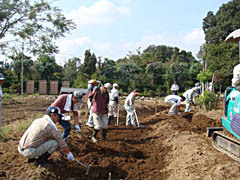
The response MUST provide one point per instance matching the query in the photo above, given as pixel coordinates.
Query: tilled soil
(166, 147)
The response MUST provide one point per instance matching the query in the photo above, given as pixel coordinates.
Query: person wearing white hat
(189, 94)
(113, 103)
(130, 108)
(100, 100)
(91, 84)
(1, 96)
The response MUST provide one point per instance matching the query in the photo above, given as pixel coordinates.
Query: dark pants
(66, 126)
(175, 92)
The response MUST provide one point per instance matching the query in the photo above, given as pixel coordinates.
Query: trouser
(100, 121)
(48, 146)
(175, 92)
(173, 106)
(0, 114)
(113, 109)
(66, 126)
(90, 118)
(188, 104)
(130, 119)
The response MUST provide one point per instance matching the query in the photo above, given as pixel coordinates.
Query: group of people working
(174, 100)
(42, 138)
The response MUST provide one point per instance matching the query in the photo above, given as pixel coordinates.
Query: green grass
(17, 126)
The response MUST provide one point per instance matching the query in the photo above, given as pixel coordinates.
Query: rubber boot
(104, 134)
(110, 119)
(42, 160)
(94, 137)
(115, 121)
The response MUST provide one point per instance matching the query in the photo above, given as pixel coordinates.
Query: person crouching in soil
(100, 100)
(174, 102)
(42, 138)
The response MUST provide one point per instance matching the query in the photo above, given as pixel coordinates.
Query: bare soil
(170, 147)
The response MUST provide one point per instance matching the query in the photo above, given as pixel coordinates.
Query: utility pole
(22, 68)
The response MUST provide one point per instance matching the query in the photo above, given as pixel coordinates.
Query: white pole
(22, 69)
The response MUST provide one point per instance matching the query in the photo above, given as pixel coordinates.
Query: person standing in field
(175, 88)
(189, 94)
(113, 104)
(130, 108)
(1, 97)
(91, 84)
(100, 100)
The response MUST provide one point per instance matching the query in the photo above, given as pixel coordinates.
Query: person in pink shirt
(100, 100)
(67, 103)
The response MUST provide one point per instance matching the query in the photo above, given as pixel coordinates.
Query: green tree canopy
(34, 22)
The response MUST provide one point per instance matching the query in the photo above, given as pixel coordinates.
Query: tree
(48, 68)
(89, 65)
(218, 27)
(34, 22)
(71, 69)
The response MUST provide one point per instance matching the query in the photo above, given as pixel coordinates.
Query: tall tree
(48, 68)
(218, 27)
(89, 65)
(34, 22)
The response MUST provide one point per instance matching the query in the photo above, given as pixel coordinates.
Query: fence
(44, 88)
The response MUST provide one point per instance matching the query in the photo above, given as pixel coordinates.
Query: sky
(115, 28)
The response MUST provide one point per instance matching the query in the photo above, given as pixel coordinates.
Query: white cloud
(194, 37)
(190, 41)
(102, 12)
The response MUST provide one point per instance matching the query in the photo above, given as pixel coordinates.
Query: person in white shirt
(174, 102)
(189, 94)
(1, 96)
(175, 88)
(113, 104)
(130, 108)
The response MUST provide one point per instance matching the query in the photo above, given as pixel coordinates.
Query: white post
(22, 69)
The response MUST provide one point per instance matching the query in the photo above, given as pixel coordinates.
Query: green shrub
(208, 100)
(4, 132)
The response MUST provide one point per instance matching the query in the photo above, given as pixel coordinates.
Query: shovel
(137, 120)
(118, 115)
(86, 167)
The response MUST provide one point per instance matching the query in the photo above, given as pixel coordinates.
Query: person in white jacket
(175, 88)
(113, 104)
(189, 94)
(174, 102)
(1, 96)
(130, 108)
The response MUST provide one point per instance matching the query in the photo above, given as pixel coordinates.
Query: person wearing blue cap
(42, 138)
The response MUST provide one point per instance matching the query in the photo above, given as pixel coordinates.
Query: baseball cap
(78, 95)
(54, 110)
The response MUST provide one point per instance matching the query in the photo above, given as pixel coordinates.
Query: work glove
(78, 129)
(66, 118)
(70, 156)
(96, 88)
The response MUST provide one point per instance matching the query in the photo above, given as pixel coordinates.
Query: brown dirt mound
(170, 147)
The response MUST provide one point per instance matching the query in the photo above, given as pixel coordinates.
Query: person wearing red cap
(130, 108)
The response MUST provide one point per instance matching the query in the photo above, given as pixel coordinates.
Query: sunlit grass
(17, 126)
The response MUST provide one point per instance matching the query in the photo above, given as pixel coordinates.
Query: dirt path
(170, 148)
